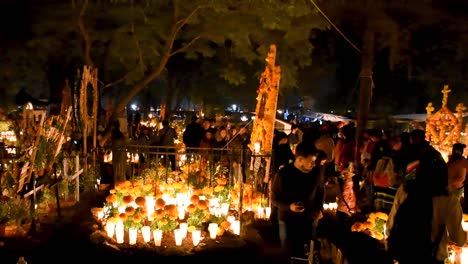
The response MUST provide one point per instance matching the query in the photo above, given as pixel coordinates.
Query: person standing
(168, 134)
(298, 192)
(193, 134)
(457, 169)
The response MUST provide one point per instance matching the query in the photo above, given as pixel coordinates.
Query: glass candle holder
(213, 229)
(178, 237)
(132, 236)
(110, 229)
(146, 233)
(196, 237)
(183, 229)
(157, 235)
(119, 232)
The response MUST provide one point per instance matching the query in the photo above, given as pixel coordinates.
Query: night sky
(391, 84)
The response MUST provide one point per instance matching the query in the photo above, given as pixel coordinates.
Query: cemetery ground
(75, 238)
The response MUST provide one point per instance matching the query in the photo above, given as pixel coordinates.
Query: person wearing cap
(457, 169)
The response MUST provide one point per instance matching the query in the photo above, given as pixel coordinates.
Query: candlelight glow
(157, 235)
(146, 233)
(132, 236)
(178, 237)
(119, 232)
(213, 229)
(196, 237)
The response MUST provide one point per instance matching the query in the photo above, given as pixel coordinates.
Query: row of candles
(180, 233)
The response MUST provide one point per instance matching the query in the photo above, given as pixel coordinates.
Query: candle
(224, 208)
(181, 211)
(183, 229)
(465, 226)
(119, 232)
(267, 212)
(150, 203)
(213, 229)
(260, 212)
(132, 235)
(157, 234)
(178, 237)
(231, 219)
(464, 255)
(196, 237)
(236, 227)
(110, 229)
(146, 233)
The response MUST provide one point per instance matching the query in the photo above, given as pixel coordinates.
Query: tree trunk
(365, 88)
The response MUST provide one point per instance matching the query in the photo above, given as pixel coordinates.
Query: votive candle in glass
(236, 227)
(178, 237)
(132, 235)
(146, 233)
(196, 237)
(157, 235)
(267, 212)
(119, 232)
(183, 229)
(110, 229)
(224, 208)
(213, 229)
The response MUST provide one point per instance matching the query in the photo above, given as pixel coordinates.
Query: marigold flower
(111, 198)
(123, 216)
(191, 208)
(127, 199)
(159, 214)
(202, 204)
(160, 203)
(194, 199)
(218, 188)
(129, 210)
(140, 201)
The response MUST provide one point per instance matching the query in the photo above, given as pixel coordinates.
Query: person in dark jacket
(298, 192)
(193, 134)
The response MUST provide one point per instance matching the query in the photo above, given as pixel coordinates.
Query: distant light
(152, 109)
(244, 118)
(150, 115)
(134, 107)
(234, 107)
(252, 117)
(29, 106)
(279, 111)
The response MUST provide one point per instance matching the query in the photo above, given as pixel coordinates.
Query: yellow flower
(192, 228)
(208, 191)
(218, 188)
(147, 187)
(382, 216)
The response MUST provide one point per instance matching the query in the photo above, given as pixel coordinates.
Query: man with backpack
(424, 215)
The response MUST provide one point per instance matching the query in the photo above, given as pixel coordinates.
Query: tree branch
(140, 54)
(123, 78)
(177, 27)
(184, 47)
(85, 35)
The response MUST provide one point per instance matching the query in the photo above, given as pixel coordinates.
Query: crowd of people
(306, 159)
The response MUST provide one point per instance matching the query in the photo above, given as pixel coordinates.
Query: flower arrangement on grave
(164, 218)
(198, 213)
(374, 226)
